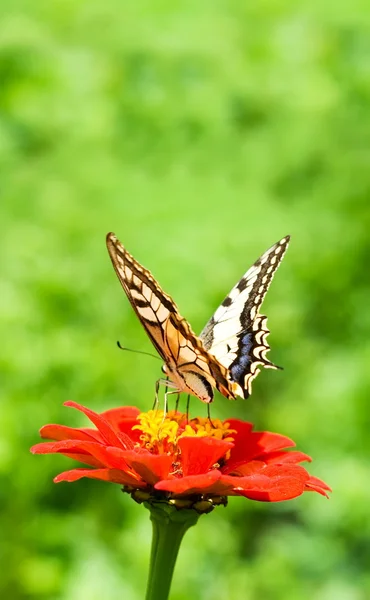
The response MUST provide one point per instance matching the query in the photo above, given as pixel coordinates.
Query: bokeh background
(201, 133)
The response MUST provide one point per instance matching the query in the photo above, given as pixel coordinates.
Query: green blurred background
(200, 133)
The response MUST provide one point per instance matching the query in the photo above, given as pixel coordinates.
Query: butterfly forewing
(188, 364)
(237, 334)
(150, 303)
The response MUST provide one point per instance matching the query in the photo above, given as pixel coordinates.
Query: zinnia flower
(189, 462)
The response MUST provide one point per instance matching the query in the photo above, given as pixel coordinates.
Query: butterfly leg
(165, 406)
(159, 382)
(166, 394)
(168, 384)
(177, 402)
(187, 407)
(156, 400)
(209, 415)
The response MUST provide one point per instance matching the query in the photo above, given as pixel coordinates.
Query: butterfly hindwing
(237, 333)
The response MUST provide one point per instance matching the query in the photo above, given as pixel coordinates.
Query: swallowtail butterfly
(233, 344)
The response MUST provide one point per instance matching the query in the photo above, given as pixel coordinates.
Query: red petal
(94, 433)
(98, 451)
(84, 458)
(266, 442)
(273, 483)
(199, 454)
(106, 430)
(62, 432)
(59, 447)
(249, 445)
(123, 419)
(246, 469)
(317, 485)
(150, 467)
(67, 448)
(285, 457)
(208, 483)
(278, 490)
(242, 428)
(113, 475)
(120, 414)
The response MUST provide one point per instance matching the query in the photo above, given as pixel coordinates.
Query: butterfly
(231, 347)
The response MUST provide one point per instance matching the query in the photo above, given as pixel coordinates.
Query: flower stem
(169, 527)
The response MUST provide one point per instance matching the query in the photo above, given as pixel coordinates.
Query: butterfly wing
(188, 363)
(150, 303)
(237, 333)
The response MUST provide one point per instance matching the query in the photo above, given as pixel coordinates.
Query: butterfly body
(227, 353)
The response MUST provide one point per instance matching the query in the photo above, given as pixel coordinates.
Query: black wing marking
(237, 334)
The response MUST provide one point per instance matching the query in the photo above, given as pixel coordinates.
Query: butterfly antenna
(137, 351)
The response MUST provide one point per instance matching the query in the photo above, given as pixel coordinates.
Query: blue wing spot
(239, 367)
(246, 341)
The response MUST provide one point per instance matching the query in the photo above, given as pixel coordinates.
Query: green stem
(169, 527)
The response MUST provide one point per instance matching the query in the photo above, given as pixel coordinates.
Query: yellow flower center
(160, 433)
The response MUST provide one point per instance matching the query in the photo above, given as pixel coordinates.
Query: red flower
(174, 457)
